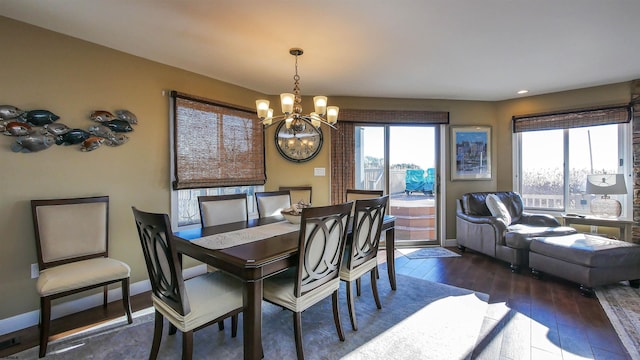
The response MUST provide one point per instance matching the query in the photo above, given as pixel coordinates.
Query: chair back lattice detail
(367, 229)
(162, 259)
(322, 240)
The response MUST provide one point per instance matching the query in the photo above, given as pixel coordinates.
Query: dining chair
(299, 193)
(321, 244)
(72, 242)
(361, 253)
(222, 209)
(188, 305)
(357, 194)
(270, 203)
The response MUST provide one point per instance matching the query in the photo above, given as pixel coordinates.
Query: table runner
(243, 236)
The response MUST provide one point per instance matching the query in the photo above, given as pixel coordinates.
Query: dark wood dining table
(252, 262)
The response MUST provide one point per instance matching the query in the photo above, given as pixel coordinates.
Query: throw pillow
(498, 209)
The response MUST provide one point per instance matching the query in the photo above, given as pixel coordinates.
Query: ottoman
(588, 260)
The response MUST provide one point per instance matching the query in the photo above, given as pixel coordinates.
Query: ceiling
(427, 49)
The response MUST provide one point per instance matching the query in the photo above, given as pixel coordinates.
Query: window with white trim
(553, 158)
(216, 149)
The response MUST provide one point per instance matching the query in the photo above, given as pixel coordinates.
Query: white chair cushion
(498, 209)
(272, 205)
(79, 274)
(72, 230)
(210, 296)
(224, 211)
(278, 289)
(347, 275)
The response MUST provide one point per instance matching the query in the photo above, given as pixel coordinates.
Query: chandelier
(292, 108)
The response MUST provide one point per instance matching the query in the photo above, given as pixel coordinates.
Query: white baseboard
(450, 242)
(32, 318)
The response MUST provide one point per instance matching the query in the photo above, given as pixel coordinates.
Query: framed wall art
(470, 153)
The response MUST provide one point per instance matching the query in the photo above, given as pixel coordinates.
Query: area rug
(429, 252)
(421, 320)
(621, 302)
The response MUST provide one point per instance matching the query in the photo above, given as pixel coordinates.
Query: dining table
(254, 260)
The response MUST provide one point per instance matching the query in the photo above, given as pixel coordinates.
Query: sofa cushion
(588, 250)
(475, 204)
(498, 209)
(519, 236)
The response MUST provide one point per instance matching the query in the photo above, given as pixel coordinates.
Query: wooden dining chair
(222, 209)
(72, 242)
(357, 194)
(361, 253)
(270, 203)
(321, 243)
(299, 193)
(188, 305)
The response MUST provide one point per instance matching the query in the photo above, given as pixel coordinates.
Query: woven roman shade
(614, 114)
(395, 117)
(215, 144)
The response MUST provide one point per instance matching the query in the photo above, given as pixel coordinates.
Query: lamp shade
(606, 184)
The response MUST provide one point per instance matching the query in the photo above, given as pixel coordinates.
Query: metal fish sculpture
(73, 136)
(101, 116)
(33, 143)
(112, 138)
(118, 125)
(92, 143)
(39, 117)
(57, 129)
(127, 116)
(101, 130)
(117, 139)
(16, 128)
(8, 112)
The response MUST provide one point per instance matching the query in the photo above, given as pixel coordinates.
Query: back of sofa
(475, 204)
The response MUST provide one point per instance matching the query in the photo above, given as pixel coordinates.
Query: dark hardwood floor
(527, 318)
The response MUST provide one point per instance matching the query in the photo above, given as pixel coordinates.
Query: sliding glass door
(402, 161)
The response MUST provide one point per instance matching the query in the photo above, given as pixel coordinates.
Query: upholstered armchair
(503, 235)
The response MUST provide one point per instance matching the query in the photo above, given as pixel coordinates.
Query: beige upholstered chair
(222, 209)
(270, 203)
(321, 245)
(360, 255)
(72, 241)
(299, 193)
(188, 305)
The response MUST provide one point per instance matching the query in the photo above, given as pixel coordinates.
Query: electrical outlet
(35, 272)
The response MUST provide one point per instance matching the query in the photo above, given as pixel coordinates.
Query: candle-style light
(292, 108)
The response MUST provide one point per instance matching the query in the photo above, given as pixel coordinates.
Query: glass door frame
(438, 192)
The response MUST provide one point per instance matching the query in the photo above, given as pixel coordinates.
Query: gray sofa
(479, 230)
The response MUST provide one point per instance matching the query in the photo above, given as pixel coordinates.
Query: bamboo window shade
(215, 144)
(614, 114)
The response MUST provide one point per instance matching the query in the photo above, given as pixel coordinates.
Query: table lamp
(605, 185)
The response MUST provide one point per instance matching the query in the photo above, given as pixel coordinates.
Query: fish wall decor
(37, 130)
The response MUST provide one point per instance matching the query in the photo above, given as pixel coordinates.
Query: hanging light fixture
(292, 107)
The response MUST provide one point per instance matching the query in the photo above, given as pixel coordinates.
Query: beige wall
(45, 70)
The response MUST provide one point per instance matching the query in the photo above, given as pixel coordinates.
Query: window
(217, 149)
(553, 163)
(188, 214)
